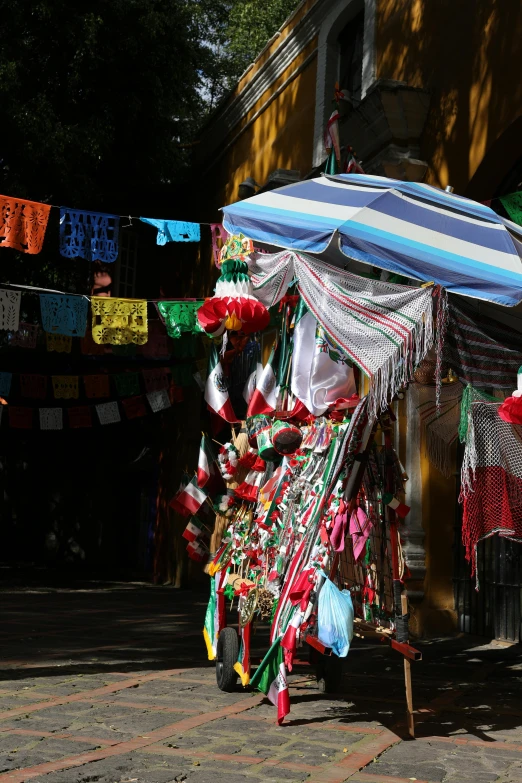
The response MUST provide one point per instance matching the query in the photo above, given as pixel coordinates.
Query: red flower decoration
(511, 410)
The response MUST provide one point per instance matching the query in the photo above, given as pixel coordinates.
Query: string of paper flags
(94, 236)
(95, 385)
(114, 321)
(86, 234)
(80, 417)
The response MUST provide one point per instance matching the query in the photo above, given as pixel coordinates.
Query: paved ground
(110, 685)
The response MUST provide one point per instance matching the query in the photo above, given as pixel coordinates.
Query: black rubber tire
(329, 674)
(227, 652)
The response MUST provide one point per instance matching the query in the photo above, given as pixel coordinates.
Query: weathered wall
(276, 133)
(464, 52)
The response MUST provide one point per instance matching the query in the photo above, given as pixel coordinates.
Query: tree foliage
(99, 102)
(94, 98)
(237, 31)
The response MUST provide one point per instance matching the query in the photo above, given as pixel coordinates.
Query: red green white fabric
(242, 667)
(192, 531)
(189, 500)
(270, 679)
(264, 398)
(383, 328)
(321, 373)
(215, 619)
(216, 390)
(491, 479)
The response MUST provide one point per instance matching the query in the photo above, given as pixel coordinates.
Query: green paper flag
(513, 206)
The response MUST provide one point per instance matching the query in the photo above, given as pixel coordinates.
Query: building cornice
(282, 57)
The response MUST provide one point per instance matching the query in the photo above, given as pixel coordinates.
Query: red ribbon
(291, 300)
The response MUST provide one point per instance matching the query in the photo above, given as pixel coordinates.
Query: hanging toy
(233, 306)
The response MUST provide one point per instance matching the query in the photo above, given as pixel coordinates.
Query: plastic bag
(335, 618)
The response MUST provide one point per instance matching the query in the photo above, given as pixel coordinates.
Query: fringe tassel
(398, 370)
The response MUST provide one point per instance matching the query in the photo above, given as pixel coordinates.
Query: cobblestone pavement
(110, 685)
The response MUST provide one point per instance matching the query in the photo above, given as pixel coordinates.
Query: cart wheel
(227, 652)
(329, 674)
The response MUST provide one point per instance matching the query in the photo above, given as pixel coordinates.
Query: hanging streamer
(23, 224)
(89, 235)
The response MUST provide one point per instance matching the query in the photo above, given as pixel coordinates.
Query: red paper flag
(134, 407)
(80, 416)
(20, 418)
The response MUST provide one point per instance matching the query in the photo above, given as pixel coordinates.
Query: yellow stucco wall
(281, 136)
(465, 52)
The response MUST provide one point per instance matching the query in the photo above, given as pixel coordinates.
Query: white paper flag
(108, 413)
(159, 400)
(51, 418)
(9, 309)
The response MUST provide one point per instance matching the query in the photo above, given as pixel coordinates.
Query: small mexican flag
(192, 530)
(401, 509)
(216, 390)
(189, 500)
(205, 461)
(264, 398)
(196, 552)
(215, 618)
(270, 679)
(209, 475)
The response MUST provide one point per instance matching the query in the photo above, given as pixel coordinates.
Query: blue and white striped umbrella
(408, 228)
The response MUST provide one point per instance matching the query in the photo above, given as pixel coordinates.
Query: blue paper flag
(174, 230)
(5, 383)
(64, 314)
(90, 235)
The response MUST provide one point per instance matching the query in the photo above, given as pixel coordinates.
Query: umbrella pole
(400, 599)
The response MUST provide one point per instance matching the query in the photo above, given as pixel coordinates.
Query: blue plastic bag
(335, 618)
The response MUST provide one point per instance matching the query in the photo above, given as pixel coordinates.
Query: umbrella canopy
(408, 228)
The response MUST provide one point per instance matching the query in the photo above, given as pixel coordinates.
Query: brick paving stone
(437, 761)
(172, 726)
